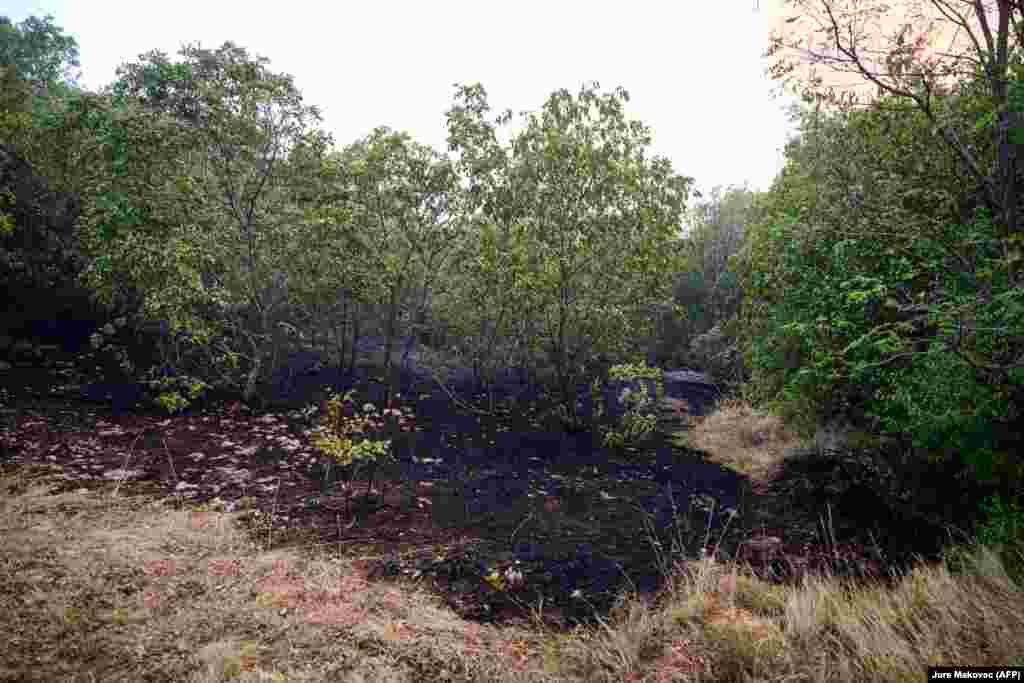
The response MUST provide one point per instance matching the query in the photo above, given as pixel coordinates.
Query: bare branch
(979, 12)
(923, 102)
(961, 22)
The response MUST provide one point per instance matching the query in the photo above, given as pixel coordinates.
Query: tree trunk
(389, 340)
(252, 380)
(341, 336)
(355, 337)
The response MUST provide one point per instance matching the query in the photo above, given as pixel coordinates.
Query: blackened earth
(470, 494)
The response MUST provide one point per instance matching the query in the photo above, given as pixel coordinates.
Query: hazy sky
(693, 69)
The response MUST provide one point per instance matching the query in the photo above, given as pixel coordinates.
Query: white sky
(693, 69)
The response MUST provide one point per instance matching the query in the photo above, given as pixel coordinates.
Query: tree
(590, 224)
(37, 62)
(327, 299)
(401, 225)
(865, 296)
(958, 299)
(487, 300)
(39, 52)
(707, 294)
(901, 60)
(231, 179)
(717, 230)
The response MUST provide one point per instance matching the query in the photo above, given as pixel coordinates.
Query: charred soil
(502, 511)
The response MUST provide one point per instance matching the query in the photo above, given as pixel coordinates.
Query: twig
(170, 460)
(273, 512)
(456, 400)
(526, 519)
(124, 467)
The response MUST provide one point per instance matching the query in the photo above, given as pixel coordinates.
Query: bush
(1003, 531)
(718, 355)
(350, 438)
(176, 393)
(639, 409)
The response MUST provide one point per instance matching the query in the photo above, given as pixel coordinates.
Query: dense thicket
(883, 279)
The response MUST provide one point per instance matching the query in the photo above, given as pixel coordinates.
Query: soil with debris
(501, 511)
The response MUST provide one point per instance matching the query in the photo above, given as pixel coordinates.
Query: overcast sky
(693, 69)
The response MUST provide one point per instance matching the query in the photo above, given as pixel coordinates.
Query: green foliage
(172, 402)
(640, 418)
(177, 393)
(1004, 523)
(708, 288)
(186, 203)
(1003, 530)
(36, 78)
(123, 161)
(635, 427)
(15, 98)
(628, 372)
(7, 223)
(597, 399)
(343, 434)
(38, 50)
(397, 227)
(868, 303)
(573, 231)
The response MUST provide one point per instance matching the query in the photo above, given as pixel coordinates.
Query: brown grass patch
(95, 586)
(746, 439)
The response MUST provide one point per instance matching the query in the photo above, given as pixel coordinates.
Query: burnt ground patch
(502, 510)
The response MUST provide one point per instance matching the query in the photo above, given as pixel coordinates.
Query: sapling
(344, 436)
(640, 417)
(177, 393)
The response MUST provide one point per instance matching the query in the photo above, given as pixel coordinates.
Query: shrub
(716, 352)
(640, 417)
(349, 438)
(176, 393)
(341, 435)
(1003, 530)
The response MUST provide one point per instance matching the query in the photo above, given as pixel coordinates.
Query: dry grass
(98, 586)
(716, 623)
(743, 438)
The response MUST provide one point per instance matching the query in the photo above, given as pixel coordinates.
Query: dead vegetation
(742, 438)
(108, 582)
